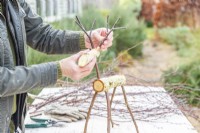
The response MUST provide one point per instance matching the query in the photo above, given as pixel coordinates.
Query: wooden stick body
(104, 84)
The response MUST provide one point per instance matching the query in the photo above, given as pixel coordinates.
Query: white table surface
(153, 108)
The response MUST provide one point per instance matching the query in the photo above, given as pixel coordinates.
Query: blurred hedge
(134, 34)
(180, 37)
(185, 81)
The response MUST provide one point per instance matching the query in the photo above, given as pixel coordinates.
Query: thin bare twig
(113, 94)
(108, 112)
(89, 111)
(92, 27)
(78, 22)
(107, 23)
(111, 30)
(111, 105)
(118, 28)
(116, 23)
(52, 100)
(83, 29)
(126, 102)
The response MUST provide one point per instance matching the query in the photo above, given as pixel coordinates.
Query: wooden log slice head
(98, 85)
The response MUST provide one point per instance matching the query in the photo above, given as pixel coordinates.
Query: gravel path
(157, 58)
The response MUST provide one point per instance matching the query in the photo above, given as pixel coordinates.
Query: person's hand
(97, 36)
(69, 67)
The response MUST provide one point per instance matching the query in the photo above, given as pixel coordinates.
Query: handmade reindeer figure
(103, 84)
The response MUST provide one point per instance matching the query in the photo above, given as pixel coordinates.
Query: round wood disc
(98, 85)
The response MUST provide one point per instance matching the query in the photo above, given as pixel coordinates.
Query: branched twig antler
(78, 22)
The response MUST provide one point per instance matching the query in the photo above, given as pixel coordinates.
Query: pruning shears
(41, 123)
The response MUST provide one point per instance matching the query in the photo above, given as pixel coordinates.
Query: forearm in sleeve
(44, 38)
(23, 79)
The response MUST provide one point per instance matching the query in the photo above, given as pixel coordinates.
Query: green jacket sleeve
(44, 38)
(23, 79)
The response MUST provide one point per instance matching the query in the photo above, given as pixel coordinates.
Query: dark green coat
(26, 27)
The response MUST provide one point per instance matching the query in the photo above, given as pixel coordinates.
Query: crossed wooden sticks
(104, 84)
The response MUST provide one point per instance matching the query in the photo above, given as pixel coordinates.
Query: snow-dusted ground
(154, 111)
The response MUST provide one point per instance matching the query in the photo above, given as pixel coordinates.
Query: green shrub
(134, 34)
(185, 81)
(35, 57)
(180, 37)
(134, 6)
(88, 17)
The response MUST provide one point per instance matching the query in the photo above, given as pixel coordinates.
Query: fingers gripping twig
(111, 30)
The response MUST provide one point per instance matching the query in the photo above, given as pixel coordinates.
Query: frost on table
(153, 108)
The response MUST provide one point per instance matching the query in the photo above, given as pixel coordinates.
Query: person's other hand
(69, 67)
(97, 36)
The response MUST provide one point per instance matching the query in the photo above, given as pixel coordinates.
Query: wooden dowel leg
(89, 112)
(108, 112)
(129, 109)
(113, 94)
